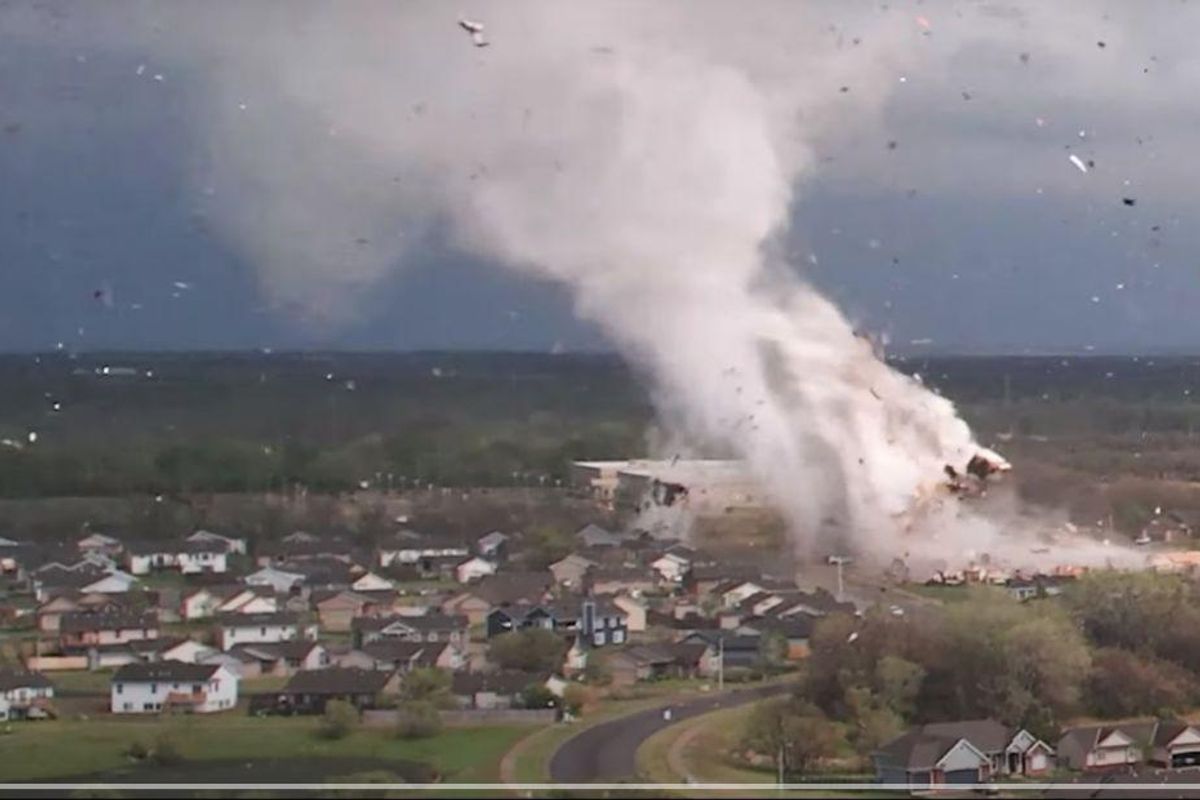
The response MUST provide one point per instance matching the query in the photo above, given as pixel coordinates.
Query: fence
(470, 716)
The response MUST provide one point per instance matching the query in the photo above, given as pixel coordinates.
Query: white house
(208, 601)
(229, 543)
(24, 695)
(190, 558)
(671, 567)
(188, 651)
(281, 626)
(370, 582)
(473, 569)
(491, 545)
(152, 688)
(279, 580)
(409, 547)
(99, 542)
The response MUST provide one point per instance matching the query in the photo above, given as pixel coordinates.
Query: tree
(338, 720)
(898, 681)
(1123, 684)
(532, 650)
(772, 649)
(417, 719)
(794, 735)
(427, 685)
(544, 545)
(536, 695)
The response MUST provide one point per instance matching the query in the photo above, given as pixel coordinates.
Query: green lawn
(45, 750)
(946, 594)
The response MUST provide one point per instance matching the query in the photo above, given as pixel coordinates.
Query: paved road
(608, 752)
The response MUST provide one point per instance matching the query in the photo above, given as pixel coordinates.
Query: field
(59, 749)
(226, 439)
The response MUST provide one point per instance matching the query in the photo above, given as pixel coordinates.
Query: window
(127, 707)
(154, 688)
(262, 631)
(618, 636)
(147, 706)
(599, 638)
(197, 688)
(120, 688)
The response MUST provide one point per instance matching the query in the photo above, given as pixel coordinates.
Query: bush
(339, 719)
(418, 719)
(137, 751)
(166, 752)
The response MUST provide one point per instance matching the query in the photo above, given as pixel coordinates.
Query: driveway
(608, 752)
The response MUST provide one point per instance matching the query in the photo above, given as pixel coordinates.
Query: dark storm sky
(973, 233)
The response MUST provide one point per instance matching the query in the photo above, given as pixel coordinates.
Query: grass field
(48, 750)
(699, 748)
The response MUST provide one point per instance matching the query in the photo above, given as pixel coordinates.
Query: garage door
(963, 776)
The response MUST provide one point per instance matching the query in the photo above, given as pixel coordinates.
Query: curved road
(608, 752)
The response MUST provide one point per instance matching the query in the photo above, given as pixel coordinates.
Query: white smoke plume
(643, 154)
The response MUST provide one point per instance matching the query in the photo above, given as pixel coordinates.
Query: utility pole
(840, 561)
(721, 664)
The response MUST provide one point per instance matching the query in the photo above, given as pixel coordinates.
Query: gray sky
(973, 233)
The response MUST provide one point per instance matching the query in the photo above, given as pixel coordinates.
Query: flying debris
(476, 31)
(1129, 201)
(853, 637)
(1077, 161)
(183, 286)
(33, 437)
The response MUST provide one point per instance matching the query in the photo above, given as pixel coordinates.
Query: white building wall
(256, 634)
(221, 693)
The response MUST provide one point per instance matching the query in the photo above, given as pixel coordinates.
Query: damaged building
(702, 486)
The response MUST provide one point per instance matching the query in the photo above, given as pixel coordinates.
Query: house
(230, 545)
(1010, 751)
(635, 612)
(188, 557)
(1099, 747)
(571, 570)
(405, 656)
(370, 582)
(493, 546)
(796, 629)
(670, 567)
(1175, 744)
(1167, 528)
(49, 614)
(100, 543)
(172, 685)
(501, 589)
(621, 579)
(280, 581)
(83, 629)
(591, 535)
(281, 626)
(411, 547)
(308, 691)
(425, 628)
(598, 621)
(280, 659)
(84, 577)
(492, 689)
(657, 661)
(473, 569)
(1026, 588)
(25, 695)
(108, 656)
(301, 546)
(337, 610)
(924, 760)
(209, 601)
(733, 650)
